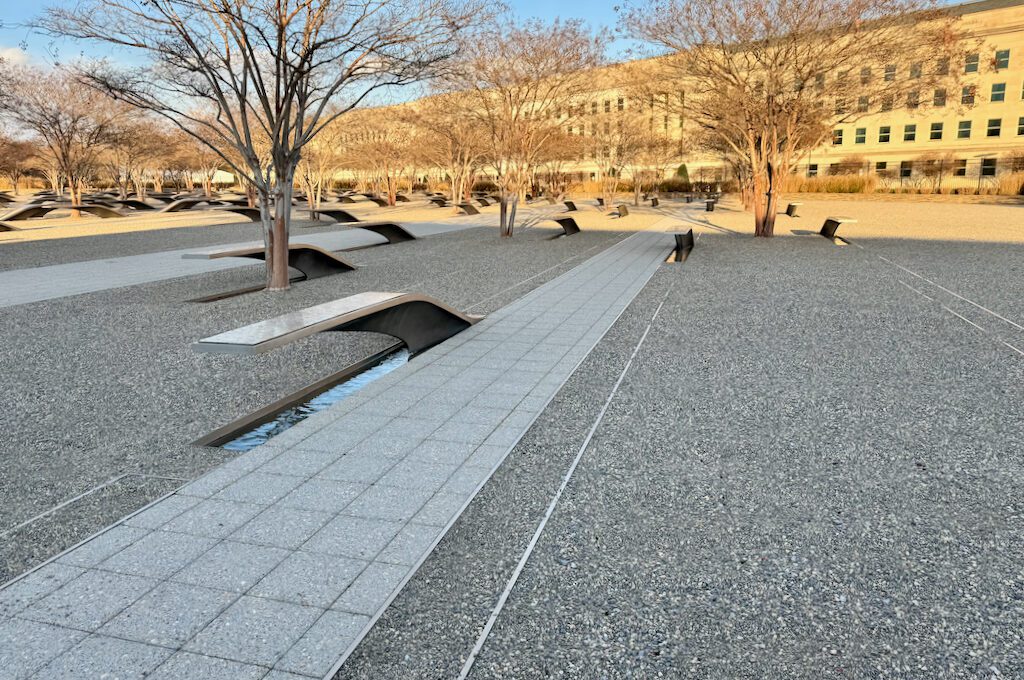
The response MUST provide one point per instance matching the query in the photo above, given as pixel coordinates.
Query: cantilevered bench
(684, 244)
(623, 210)
(468, 208)
(30, 211)
(570, 206)
(828, 230)
(313, 261)
(336, 214)
(600, 201)
(792, 208)
(568, 225)
(8, 227)
(654, 202)
(180, 204)
(381, 202)
(439, 201)
(4, 198)
(418, 321)
(134, 204)
(252, 213)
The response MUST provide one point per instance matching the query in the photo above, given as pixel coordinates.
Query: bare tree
(73, 122)
(381, 148)
(525, 80)
(134, 142)
(321, 161)
(17, 159)
(230, 71)
(771, 78)
(934, 166)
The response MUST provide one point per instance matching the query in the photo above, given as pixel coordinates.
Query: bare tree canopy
(770, 78)
(238, 74)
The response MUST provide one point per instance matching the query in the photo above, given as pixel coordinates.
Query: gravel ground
(795, 479)
(106, 384)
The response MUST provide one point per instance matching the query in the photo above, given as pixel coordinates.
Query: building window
(942, 67)
(1002, 59)
(812, 170)
(862, 104)
(971, 63)
(963, 129)
(939, 98)
(1020, 126)
(890, 73)
(622, 104)
(915, 70)
(998, 92)
(865, 75)
(607, 105)
(906, 168)
(880, 166)
(909, 133)
(887, 103)
(960, 167)
(988, 167)
(837, 137)
(840, 107)
(593, 108)
(936, 131)
(883, 134)
(995, 126)
(913, 99)
(967, 95)
(860, 135)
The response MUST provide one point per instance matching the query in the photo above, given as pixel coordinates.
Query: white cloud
(13, 55)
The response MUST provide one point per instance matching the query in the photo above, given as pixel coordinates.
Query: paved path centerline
(302, 543)
(35, 284)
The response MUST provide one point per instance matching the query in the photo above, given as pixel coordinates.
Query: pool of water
(296, 414)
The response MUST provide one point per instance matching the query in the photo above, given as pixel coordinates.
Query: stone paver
(22, 286)
(284, 563)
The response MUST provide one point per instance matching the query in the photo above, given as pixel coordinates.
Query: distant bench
(418, 321)
(570, 206)
(792, 208)
(439, 201)
(468, 208)
(336, 214)
(622, 210)
(828, 230)
(314, 262)
(30, 211)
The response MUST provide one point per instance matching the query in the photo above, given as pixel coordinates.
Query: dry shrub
(832, 184)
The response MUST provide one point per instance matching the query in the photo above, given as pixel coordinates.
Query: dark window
(915, 70)
(960, 168)
(865, 75)
(909, 133)
(837, 137)
(622, 104)
(890, 73)
(862, 104)
(607, 105)
(939, 98)
(995, 127)
(812, 170)
(1002, 59)
(883, 134)
(967, 95)
(998, 92)
(860, 135)
(971, 63)
(906, 168)
(593, 108)
(936, 131)
(887, 103)
(1020, 126)
(963, 129)
(988, 167)
(880, 165)
(942, 66)
(913, 99)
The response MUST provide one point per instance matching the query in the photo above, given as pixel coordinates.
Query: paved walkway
(22, 286)
(280, 560)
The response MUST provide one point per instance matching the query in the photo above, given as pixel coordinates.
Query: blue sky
(15, 13)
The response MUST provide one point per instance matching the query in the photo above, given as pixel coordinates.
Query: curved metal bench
(622, 210)
(252, 213)
(134, 204)
(684, 244)
(568, 225)
(381, 202)
(468, 208)
(418, 321)
(180, 204)
(570, 206)
(392, 231)
(313, 261)
(4, 198)
(828, 230)
(8, 227)
(336, 214)
(31, 211)
(439, 201)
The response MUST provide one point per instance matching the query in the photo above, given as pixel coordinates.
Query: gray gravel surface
(809, 471)
(104, 384)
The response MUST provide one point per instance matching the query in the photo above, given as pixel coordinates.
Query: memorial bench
(568, 225)
(252, 213)
(792, 208)
(622, 210)
(179, 204)
(439, 201)
(31, 211)
(570, 206)
(419, 321)
(684, 244)
(828, 230)
(313, 261)
(336, 214)
(468, 208)
(654, 202)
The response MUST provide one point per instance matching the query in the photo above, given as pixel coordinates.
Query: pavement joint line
(919, 292)
(953, 293)
(1018, 351)
(514, 578)
(462, 508)
(964, 318)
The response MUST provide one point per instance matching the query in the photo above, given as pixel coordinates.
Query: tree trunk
(277, 245)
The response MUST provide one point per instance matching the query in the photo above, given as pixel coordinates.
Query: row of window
(972, 64)
(959, 168)
(939, 98)
(993, 128)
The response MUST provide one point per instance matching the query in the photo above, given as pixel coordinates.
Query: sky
(19, 43)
